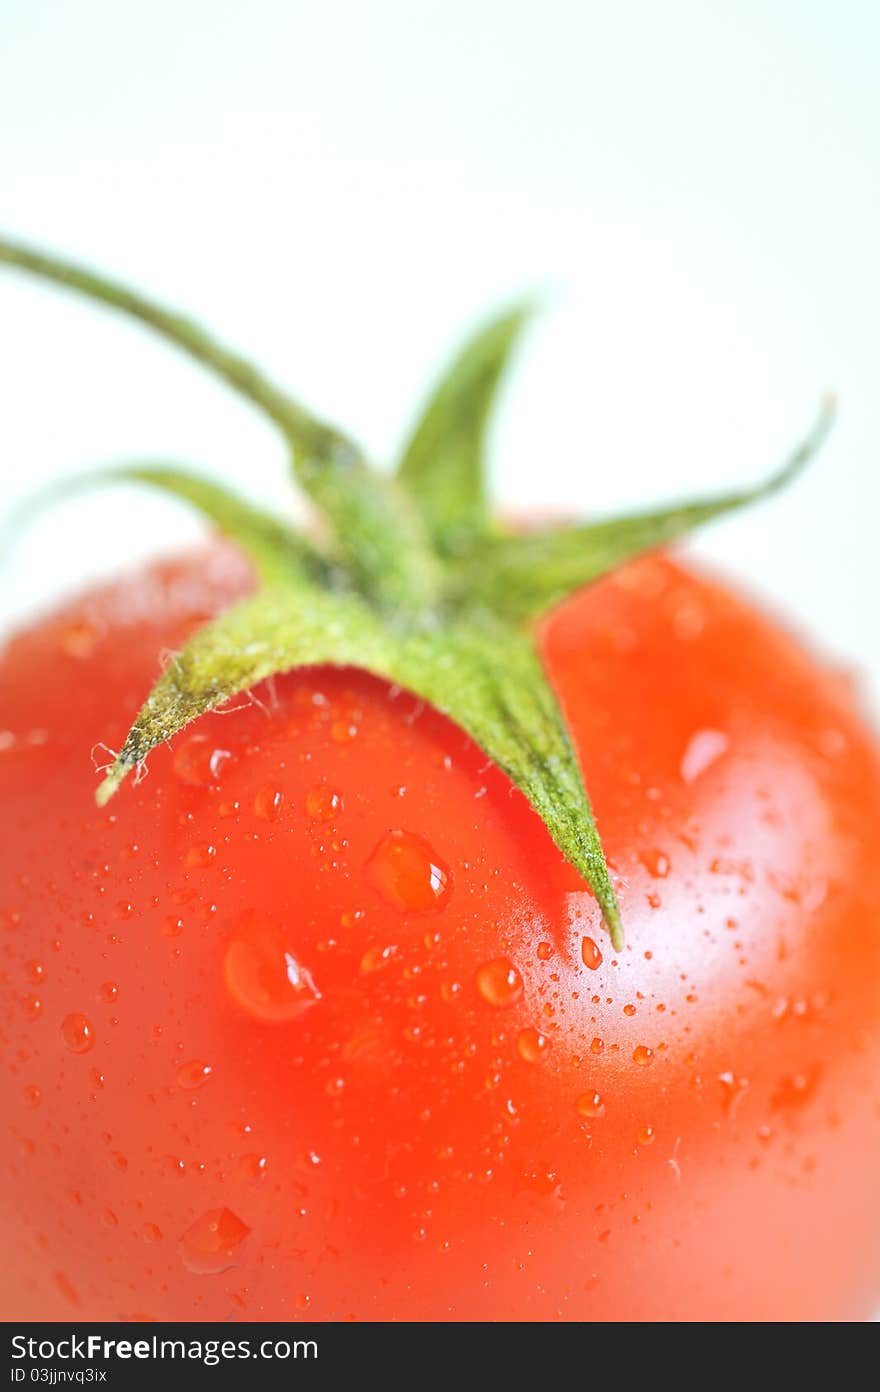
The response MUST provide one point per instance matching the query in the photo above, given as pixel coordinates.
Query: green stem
(379, 532)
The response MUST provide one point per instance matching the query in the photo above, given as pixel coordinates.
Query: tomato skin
(293, 1097)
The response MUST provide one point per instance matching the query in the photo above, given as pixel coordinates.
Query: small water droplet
(172, 926)
(376, 957)
(532, 1045)
(629, 1010)
(212, 1243)
(642, 1055)
(32, 1095)
(269, 803)
(545, 951)
(590, 954)
(597, 1046)
(407, 872)
(264, 974)
(193, 1074)
(78, 1032)
(252, 1167)
(323, 803)
(32, 1006)
(590, 1104)
(656, 863)
(108, 992)
(36, 972)
(200, 857)
(646, 1135)
(499, 982)
(198, 761)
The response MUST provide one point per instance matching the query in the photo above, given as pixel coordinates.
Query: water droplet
(545, 951)
(32, 1095)
(590, 954)
(200, 857)
(407, 873)
(193, 1074)
(252, 1167)
(36, 972)
(376, 957)
(703, 750)
(268, 803)
(211, 1245)
(532, 1045)
(118, 1160)
(78, 1033)
(629, 1010)
(646, 1135)
(642, 1055)
(151, 1232)
(263, 973)
(198, 761)
(597, 1046)
(108, 992)
(323, 803)
(590, 1104)
(656, 863)
(172, 927)
(499, 982)
(303, 1301)
(32, 1006)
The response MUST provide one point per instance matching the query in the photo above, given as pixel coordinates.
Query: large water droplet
(78, 1033)
(323, 803)
(590, 954)
(642, 1055)
(193, 1074)
(590, 1104)
(499, 982)
(198, 761)
(408, 873)
(268, 803)
(212, 1244)
(532, 1045)
(264, 974)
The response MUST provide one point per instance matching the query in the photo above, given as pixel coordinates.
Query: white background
(341, 187)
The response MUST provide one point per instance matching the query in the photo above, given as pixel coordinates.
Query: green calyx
(412, 579)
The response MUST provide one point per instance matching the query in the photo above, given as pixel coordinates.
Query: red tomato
(314, 1021)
